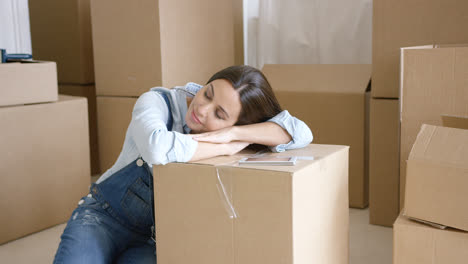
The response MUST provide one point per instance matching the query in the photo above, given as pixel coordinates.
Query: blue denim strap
(170, 120)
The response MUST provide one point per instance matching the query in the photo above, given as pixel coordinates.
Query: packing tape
(224, 182)
(224, 191)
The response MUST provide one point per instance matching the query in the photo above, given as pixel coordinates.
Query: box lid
(332, 78)
(306, 156)
(442, 145)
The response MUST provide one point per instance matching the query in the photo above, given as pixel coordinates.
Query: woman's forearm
(206, 150)
(266, 133)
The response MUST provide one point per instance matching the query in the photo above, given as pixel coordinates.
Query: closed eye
(218, 115)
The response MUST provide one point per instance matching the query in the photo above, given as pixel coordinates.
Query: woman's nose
(204, 109)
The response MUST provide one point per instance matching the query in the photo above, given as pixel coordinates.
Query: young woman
(114, 223)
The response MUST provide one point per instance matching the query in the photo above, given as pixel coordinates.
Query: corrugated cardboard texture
(437, 177)
(414, 242)
(113, 117)
(28, 83)
(434, 84)
(139, 45)
(403, 23)
(44, 164)
(330, 99)
(285, 214)
(384, 166)
(61, 32)
(88, 91)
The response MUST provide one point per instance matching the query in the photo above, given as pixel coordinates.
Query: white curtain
(308, 31)
(15, 34)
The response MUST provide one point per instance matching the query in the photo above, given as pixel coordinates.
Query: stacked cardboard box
(433, 84)
(61, 32)
(383, 162)
(436, 184)
(156, 43)
(415, 242)
(44, 162)
(333, 101)
(254, 214)
(397, 24)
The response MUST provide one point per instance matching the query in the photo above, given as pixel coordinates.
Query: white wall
(15, 34)
(308, 31)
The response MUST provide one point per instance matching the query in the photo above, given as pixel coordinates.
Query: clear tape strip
(226, 197)
(225, 194)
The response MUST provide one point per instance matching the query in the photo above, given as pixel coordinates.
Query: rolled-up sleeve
(148, 130)
(300, 133)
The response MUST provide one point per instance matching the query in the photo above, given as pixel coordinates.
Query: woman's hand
(224, 135)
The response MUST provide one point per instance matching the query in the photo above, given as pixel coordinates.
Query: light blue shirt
(147, 135)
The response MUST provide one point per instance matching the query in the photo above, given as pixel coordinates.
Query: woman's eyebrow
(222, 109)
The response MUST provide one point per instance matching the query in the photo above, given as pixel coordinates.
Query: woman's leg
(91, 236)
(143, 253)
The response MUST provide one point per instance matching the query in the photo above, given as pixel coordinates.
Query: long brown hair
(258, 101)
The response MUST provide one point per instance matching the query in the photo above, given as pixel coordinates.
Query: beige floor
(369, 244)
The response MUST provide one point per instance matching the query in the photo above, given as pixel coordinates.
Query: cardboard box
(114, 115)
(384, 165)
(403, 23)
(215, 211)
(238, 9)
(28, 83)
(414, 242)
(433, 84)
(44, 164)
(437, 177)
(61, 32)
(331, 100)
(455, 121)
(88, 91)
(159, 43)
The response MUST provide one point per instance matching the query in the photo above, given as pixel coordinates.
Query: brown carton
(331, 100)
(61, 32)
(28, 82)
(455, 121)
(415, 243)
(437, 177)
(403, 23)
(384, 177)
(88, 91)
(44, 164)
(113, 117)
(433, 84)
(216, 211)
(160, 43)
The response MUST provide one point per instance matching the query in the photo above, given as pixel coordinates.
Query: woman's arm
(207, 150)
(282, 132)
(266, 133)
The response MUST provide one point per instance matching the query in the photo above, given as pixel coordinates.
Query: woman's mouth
(195, 118)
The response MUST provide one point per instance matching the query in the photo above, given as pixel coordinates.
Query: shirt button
(90, 195)
(139, 162)
(81, 202)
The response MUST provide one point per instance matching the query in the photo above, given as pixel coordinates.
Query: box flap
(332, 78)
(455, 121)
(441, 145)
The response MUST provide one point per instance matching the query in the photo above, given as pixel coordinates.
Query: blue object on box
(7, 57)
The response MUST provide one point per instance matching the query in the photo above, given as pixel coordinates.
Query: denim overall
(114, 223)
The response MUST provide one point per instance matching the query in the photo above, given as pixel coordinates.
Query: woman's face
(217, 105)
